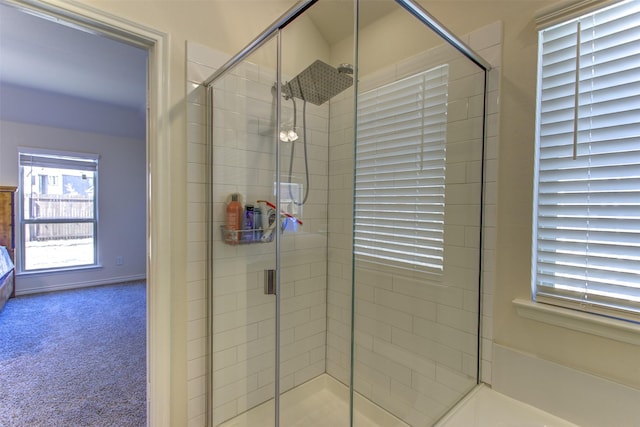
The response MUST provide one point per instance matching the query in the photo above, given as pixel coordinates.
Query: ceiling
(334, 19)
(41, 54)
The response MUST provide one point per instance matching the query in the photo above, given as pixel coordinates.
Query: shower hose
(293, 147)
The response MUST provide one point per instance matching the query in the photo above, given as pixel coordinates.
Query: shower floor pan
(484, 407)
(324, 402)
(321, 402)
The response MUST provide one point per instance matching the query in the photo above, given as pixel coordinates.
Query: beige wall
(228, 25)
(603, 357)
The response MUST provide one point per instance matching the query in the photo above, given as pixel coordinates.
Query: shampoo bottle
(233, 219)
(248, 224)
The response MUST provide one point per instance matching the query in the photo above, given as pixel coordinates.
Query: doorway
(157, 198)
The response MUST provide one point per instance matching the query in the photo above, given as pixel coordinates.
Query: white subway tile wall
(411, 357)
(244, 158)
(487, 41)
(201, 63)
(415, 345)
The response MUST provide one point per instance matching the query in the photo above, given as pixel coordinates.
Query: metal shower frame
(298, 9)
(268, 34)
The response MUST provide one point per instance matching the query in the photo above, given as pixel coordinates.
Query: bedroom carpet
(74, 358)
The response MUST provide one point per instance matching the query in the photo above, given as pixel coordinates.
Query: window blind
(587, 204)
(60, 162)
(400, 169)
(562, 11)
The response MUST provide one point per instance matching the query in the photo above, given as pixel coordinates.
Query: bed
(6, 276)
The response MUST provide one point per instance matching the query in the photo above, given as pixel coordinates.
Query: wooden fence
(59, 207)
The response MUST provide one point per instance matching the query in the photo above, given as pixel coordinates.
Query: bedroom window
(400, 173)
(58, 206)
(586, 245)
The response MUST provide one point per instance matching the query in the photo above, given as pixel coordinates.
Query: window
(586, 252)
(57, 211)
(400, 170)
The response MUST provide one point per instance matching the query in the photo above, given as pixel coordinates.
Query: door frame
(158, 193)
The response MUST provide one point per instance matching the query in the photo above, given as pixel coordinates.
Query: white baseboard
(576, 396)
(78, 285)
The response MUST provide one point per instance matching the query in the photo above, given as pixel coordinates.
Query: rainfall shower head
(318, 83)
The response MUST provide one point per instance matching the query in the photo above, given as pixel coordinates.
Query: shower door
(361, 279)
(244, 162)
(269, 302)
(418, 217)
(317, 89)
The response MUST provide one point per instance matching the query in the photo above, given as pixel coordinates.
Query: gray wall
(43, 120)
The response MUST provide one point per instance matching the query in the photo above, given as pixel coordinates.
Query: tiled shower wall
(243, 316)
(201, 63)
(414, 338)
(306, 298)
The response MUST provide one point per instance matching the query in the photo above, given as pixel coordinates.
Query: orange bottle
(233, 220)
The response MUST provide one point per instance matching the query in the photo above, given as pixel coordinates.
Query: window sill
(614, 329)
(59, 270)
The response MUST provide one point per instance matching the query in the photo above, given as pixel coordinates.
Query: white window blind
(587, 202)
(62, 162)
(400, 170)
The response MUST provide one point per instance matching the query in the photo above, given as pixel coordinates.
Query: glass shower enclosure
(347, 291)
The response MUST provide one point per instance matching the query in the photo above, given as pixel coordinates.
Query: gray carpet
(74, 358)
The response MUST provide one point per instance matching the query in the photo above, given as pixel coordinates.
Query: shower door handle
(269, 282)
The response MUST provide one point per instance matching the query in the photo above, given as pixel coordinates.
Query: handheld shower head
(317, 83)
(345, 68)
